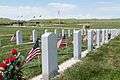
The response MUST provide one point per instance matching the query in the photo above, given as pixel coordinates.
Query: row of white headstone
(19, 37)
(49, 49)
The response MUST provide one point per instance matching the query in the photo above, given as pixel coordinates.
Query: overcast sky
(14, 9)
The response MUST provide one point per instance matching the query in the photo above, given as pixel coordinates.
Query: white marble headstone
(34, 36)
(77, 43)
(90, 40)
(19, 38)
(49, 55)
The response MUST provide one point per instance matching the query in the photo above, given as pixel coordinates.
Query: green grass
(34, 67)
(102, 64)
(94, 23)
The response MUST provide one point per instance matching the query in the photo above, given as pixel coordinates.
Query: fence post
(34, 36)
(19, 37)
(90, 40)
(98, 38)
(49, 55)
(77, 43)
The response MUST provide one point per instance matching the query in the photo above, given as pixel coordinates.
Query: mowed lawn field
(101, 64)
(34, 67)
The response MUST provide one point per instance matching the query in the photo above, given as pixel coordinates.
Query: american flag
(33, 52)
(62, 42)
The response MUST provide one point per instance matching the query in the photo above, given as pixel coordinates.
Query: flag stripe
(29, 59)
(32, 56)
(33, 53)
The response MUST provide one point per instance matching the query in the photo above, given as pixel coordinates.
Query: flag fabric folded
(33, 52)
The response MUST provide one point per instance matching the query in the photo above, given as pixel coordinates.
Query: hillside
(6, 21)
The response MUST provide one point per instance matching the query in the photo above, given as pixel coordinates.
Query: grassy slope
(103, 64)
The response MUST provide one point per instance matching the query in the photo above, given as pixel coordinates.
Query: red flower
(14, 51)
(3, 66)
(9, 60)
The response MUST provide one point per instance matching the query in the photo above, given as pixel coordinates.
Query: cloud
(50, 10)
(106, 10)
(15, 11)
(47, 11)
(28, 12)
(109, 8)
(62, 5)
(104, 2)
